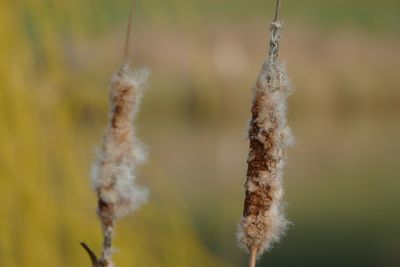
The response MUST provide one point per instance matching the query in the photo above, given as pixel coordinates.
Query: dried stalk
(92, 255)
(263, 220)
(253, 257)
(128, 32)
(113, 172)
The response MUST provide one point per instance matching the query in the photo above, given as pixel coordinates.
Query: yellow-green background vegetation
(343, 176)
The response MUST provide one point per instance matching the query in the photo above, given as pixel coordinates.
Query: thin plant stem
(128, 31)
(253, 257)
(277, 9)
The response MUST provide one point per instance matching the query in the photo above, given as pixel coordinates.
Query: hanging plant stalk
(263, 220)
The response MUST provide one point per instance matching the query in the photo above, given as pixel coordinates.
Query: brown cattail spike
(113, 173)
(263, 219)
(114, 170)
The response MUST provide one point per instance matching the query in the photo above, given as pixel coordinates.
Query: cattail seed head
(263, 220)
(113, 173)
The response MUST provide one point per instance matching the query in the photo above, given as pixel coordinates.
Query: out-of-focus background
(343, 176)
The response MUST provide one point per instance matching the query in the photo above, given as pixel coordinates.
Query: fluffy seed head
(263, 221)
(113, 173)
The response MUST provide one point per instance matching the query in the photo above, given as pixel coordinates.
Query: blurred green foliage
(343, 176)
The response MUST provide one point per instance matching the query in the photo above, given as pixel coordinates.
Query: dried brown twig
(263, 220)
